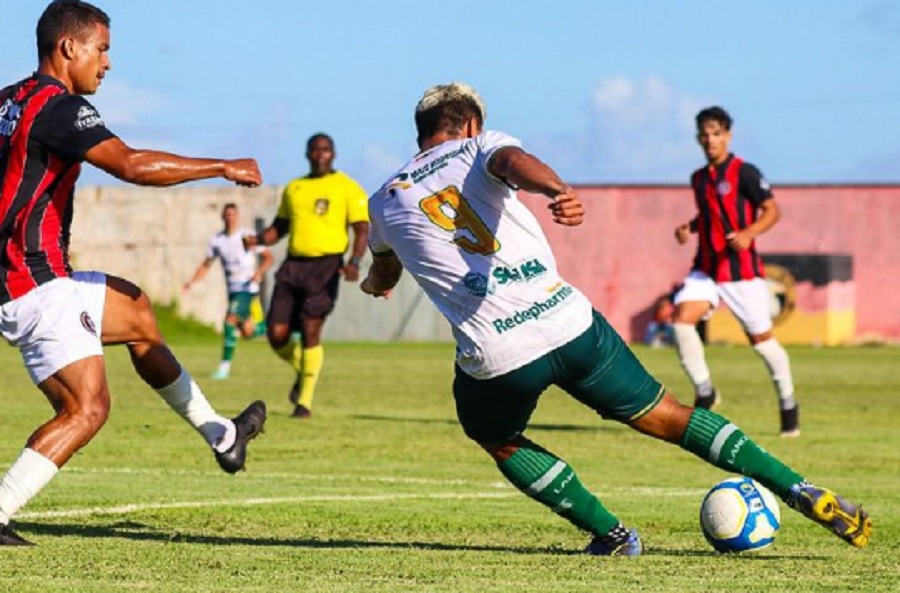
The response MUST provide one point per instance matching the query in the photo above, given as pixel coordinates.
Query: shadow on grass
(135, 531)
(141, 532)
(532, 426)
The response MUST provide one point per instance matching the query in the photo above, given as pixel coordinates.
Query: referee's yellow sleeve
(357, 202)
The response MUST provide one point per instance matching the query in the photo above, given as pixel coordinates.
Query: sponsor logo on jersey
(88, 323)
(321, 206)
(534, 312)
(398, 182)
(524, 272)
(436, 165)
(87, 118)
(10, 114)
(477, 284)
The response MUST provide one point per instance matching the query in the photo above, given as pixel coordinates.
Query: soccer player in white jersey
(244, 270)
(450, 216)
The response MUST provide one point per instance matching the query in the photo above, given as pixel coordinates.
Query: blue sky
(603, 91)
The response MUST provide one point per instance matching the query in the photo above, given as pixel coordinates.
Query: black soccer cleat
(790, 422)
(294, 395)
(8, 537)
(708, 402)
(247, 425)
(301, 412)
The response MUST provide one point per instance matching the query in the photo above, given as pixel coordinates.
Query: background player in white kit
(244, 270)
(451, 217)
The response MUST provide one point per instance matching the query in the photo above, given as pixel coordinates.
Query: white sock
(184, 396)
(691, 354)
(776, 358)
(23, 480)
(225, 366)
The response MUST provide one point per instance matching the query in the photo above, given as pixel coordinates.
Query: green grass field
(381, 491)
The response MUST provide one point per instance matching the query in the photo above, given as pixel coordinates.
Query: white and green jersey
(239, 264)
(479, 254)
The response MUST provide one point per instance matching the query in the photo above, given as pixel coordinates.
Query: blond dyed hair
(447, 108)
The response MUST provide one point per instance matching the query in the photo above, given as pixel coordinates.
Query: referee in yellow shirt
(316, 213)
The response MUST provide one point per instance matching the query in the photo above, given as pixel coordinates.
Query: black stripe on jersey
(741, 209)
(35, 254)
(742, 219)
(4, 270)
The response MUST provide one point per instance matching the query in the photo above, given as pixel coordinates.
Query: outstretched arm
(201, 272)
(526, 171)
(384, 274)
(155, 168)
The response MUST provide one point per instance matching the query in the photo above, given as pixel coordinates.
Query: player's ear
(67, 47)
(473, 128)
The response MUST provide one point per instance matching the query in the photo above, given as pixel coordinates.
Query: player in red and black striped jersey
(59, 319)
(46, 133)
(734, 206)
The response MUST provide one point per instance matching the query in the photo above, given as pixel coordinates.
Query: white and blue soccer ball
(739, 515)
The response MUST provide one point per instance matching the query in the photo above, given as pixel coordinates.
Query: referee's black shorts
(305, 287)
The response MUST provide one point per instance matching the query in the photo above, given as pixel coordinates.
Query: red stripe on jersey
(51, 226)
(19, 279)
(15, 167)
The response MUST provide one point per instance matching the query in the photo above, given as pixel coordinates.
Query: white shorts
(57, 323)
(749, 300)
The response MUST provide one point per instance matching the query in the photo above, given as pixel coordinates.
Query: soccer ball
(739, 515)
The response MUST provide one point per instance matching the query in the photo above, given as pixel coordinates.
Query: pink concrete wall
(625, 255)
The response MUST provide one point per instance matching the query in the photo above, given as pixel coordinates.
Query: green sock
(716, 440)
(549, 480)
(228, 347)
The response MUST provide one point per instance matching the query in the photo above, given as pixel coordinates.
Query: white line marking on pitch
(276, 475)
(133, 508)
(639, 490)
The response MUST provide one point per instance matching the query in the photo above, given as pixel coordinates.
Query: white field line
(277, 476)
(138, 507)
(638, 490)
(134, 508)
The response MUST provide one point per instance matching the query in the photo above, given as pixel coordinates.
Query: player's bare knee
(759, 338)
(88, 415)
(145, 324)
(502, 450)
(666, 421)
(278, 336)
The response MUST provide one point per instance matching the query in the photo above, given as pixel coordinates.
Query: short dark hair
(66, 17)
(714, 113)
(319, 136)
(228, 206)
